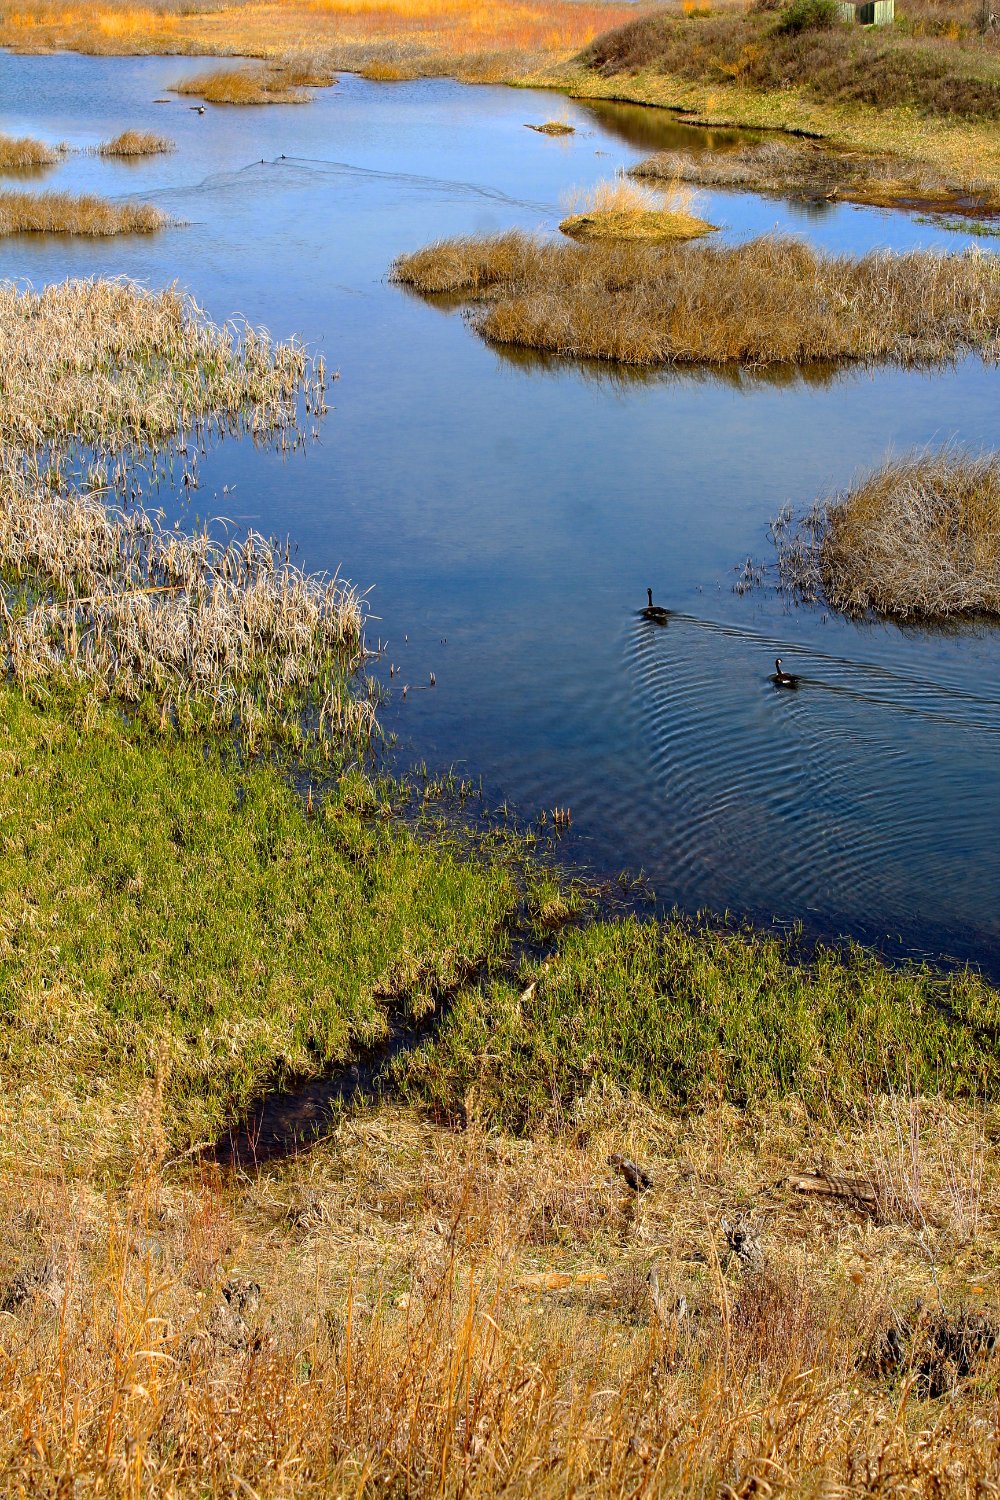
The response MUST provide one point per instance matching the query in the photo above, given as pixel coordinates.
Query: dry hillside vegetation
(620, 210)
(808, 170)
(917, 540)
(803, 46)
(772, 301)
(65, 213)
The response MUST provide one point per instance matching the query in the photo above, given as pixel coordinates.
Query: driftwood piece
(856, 1190)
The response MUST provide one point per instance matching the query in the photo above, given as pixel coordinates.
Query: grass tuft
(63, 213)
(21, 153)
(918, 540)
(136, 143)
(620, 210)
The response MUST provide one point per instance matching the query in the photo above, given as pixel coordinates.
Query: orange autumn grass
(409, 37)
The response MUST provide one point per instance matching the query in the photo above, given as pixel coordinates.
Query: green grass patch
(686, 1015)
(176, 932)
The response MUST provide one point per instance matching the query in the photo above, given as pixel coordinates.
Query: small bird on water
(199, 109)
(655, 612)
(782, 678)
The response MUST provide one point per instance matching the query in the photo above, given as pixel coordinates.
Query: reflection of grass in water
(767, 302)
(918, 540)
(63, 213)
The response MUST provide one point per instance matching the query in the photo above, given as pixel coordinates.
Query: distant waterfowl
(782, 678)
(199, 109)
(655, 612)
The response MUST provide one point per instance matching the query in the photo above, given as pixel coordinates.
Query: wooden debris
(856, 1190)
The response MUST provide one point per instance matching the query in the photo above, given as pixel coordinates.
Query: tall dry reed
(771, 301)
(66, 213)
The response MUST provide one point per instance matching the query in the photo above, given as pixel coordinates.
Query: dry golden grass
(136, 143)
(410, 1311)
(917, 540)
(620, 210)
(285, 84)
(21, 153)
(383, 38)
(64, 213)
(110, 597)
(772, 301)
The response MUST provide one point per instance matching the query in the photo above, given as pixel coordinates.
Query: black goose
(655, 612)
(782, 678)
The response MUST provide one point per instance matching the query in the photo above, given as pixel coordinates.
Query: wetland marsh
(508, 512)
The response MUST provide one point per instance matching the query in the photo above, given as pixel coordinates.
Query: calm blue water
(509, 513)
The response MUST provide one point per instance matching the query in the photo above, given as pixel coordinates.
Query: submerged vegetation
(917, 540)
(136, 143)
(285, 83)
(771, 301)
(65, 213)
(620, 210)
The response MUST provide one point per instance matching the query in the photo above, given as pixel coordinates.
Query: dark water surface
(509, 513)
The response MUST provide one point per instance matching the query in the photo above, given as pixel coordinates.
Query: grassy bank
(918, 540)
(22, 154)
(768, 302)
(806, 1287)
(178, 931)
(809, 171)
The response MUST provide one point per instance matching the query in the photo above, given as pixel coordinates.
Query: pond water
(509, 513)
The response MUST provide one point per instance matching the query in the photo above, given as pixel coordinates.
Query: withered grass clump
(917, 540)
(136, 143)
(21, 153)
(279, 83)
(771, 301)
(808, 170)
(112, 598)
(64, 213)
(110, 363)
(620, 210)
